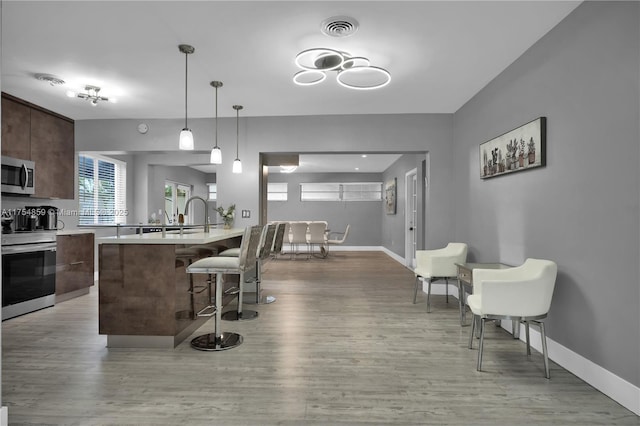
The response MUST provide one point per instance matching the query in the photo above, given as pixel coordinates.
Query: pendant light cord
(237, 131)
(216, 117)
(186, 79)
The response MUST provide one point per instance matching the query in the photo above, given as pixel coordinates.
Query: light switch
(246, 213)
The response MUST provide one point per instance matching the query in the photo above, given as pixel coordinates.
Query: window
(319, 192)
(101, 190)
(213, 191)
(351, 191)
(277, 191)
(362, 191)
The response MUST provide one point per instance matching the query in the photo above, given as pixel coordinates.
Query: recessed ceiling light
(364, 155)
(357, 168)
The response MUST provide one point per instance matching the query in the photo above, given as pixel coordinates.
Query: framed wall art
(520, 149)
(390, 189)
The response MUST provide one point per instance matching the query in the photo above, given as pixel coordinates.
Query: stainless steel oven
(28, 272)
(18, 176)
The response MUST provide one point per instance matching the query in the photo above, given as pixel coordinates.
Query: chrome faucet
(206, 212)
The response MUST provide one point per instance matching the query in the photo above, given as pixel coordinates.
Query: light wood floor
(343, 344)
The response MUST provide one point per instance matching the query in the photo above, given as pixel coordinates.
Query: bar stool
(265, 249)
(266, 245)
(219, 341)
(188, 254)
(278, 240)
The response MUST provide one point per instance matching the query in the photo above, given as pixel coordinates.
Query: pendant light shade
(237, 165)
(216, 156)
(216, 152)
(186, 137)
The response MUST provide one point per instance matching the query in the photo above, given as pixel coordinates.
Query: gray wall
(582, 209)
(313, 134)
(363, 216)
(393, 225)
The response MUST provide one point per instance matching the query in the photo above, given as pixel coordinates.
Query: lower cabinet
(74, 265)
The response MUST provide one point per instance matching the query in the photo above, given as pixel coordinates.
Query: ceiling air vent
(339, 26)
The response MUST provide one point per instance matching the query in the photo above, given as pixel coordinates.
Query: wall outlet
(246, 214)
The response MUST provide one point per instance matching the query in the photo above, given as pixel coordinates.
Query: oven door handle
(29, 248)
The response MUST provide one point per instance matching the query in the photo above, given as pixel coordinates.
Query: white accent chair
(439, 264)
(521, 294)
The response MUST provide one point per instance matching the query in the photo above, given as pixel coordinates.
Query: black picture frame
(522, 148)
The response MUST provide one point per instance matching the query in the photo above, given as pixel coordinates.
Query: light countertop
(75, 231)
(190, 236)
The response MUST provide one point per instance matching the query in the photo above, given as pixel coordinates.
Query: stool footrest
(207, 311)
(232, 290)
(198, 289)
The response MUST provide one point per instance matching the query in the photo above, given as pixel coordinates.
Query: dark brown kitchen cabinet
(33, 133)
(52, 150)
(74, 264)
(16, 129)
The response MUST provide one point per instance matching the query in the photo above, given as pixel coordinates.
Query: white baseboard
(393, 255)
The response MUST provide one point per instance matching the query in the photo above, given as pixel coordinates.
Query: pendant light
(216, 152)
(186, 137)
(237, 165)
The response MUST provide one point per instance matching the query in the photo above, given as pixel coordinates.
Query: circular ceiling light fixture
(353, 72)
(49, 78)
(319, 59)
(357, 61)
(309, 77)
(364, 77)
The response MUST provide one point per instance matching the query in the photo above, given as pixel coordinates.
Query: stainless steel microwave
(18, 176)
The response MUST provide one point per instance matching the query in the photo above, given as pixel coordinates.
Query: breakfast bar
(144, 291)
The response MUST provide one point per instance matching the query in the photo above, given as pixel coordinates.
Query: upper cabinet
(44, 137)
(16, 129)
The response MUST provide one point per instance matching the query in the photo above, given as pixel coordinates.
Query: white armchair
(440, 264)
(522, 294)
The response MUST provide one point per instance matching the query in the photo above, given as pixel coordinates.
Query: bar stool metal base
(245, 315)
(264, 300)
(209, 342)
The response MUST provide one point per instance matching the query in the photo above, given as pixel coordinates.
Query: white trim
(408, 215)
(394, 256)
(4, 416)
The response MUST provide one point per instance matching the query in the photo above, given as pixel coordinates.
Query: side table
(465, 282)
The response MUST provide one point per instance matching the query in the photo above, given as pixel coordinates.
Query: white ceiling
(439, 54)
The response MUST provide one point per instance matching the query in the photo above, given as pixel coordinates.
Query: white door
(411, 217)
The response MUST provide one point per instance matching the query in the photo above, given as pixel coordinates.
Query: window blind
(101, 191)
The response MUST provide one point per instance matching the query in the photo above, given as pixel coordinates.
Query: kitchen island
(144, 298)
